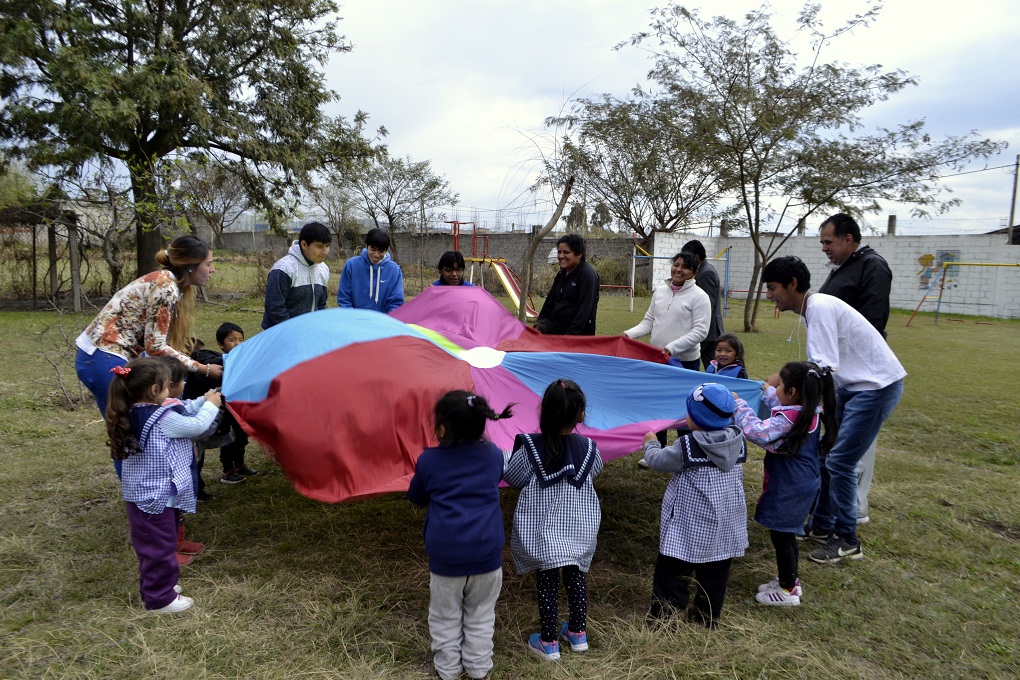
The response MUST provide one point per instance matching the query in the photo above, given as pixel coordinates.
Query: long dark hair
(130, 385)
(815, 386)
(462, 416)
(563, 406)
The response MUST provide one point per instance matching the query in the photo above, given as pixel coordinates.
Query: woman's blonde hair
(180, 257)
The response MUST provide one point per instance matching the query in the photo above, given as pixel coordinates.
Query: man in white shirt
(869, 382)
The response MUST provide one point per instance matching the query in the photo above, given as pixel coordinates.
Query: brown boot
(187, 547)
(184, 560)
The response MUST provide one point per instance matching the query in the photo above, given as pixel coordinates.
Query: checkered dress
(704, 515)
(160, 469)
(557, 519)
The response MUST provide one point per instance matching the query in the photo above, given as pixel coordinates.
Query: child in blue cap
(704, 517)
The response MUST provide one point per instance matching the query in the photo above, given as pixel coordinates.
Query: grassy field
(289, 587)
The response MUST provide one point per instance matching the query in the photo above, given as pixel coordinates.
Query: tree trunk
(147, 210)
(753, 297)
(536, 239)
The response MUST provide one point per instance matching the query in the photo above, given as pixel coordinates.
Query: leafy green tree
(212, 190)
(399, 192)
(138, 81)
(785, 138)
(576, 220)
(16, 187)
(339, 207)
(601, 218)
(638, 160)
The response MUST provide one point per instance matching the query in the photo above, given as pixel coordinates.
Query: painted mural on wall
(931, 264)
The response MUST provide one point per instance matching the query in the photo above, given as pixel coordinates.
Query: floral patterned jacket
(137, 319)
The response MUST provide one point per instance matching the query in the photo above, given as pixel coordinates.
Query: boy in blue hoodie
(372, 280)
(297, 282)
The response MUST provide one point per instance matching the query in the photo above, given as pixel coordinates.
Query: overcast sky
(466, 84)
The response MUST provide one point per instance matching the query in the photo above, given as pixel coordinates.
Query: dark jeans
(671, 589)
(94, 372)
(860, 416)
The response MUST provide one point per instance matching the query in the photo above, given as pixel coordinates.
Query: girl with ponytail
(800, 431)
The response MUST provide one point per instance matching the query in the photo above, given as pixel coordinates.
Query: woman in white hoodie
(678, 316)
(677, 319)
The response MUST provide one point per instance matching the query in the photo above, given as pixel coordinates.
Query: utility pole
(1012, 203)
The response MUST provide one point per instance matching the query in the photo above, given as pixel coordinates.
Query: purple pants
(154, 538)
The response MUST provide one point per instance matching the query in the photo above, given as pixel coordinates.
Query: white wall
(974, 290)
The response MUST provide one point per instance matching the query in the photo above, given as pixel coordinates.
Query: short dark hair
(783, 270)
(451, 259)
(574, 242)
(695, 246)
(378, 238)
(690, 259)
(315, 232)
(226, 329)
(843, 224)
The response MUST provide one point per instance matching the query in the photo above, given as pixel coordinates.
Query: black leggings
(787, 557)
(671, 589)
(548, 583)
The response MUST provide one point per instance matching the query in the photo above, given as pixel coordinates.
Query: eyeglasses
(447, 270)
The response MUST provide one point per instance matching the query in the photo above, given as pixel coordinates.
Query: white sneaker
(863, 520)
(180, 604)
(644, 464)
(780, 597)
(774, 585)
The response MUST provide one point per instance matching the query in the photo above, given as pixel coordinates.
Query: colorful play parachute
(344, 397)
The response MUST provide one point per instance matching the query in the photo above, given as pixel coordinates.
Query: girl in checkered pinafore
(156, 482)
(556, 522)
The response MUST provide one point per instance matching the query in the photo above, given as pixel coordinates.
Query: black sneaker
(204, 497)
(835, 550)
(232, 477)
(246, 471)
(814, 535)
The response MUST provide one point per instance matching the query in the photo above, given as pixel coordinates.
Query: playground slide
(512, 283)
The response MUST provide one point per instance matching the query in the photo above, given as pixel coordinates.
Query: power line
(971, 172)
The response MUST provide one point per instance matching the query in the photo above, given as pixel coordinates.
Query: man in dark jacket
(861, 277)
(573, 300)
(863, 280)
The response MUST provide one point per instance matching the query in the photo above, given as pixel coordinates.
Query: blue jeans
(860, 416)
(94, 372)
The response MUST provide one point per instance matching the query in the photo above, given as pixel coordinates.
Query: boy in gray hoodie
(298, 281)
(704, 516)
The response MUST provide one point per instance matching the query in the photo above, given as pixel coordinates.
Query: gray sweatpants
(462, 619)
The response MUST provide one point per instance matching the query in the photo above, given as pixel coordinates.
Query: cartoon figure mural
(932, 264)
(945, 258)
(924, 276)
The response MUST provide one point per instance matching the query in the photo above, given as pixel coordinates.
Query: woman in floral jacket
(152, 314)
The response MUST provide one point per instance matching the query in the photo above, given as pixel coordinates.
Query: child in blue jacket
(459, 483)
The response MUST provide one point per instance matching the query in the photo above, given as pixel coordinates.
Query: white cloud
(457, 81)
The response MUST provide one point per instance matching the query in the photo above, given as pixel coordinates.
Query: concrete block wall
(974, 290)
(412, 249)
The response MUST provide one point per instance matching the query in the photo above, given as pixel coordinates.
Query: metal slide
(512, 283)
